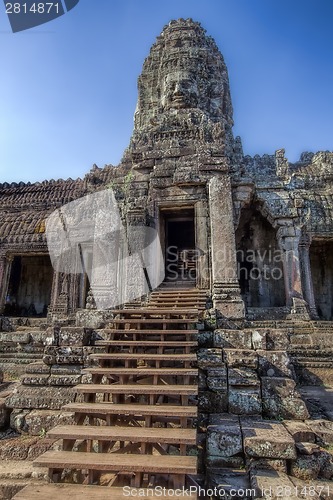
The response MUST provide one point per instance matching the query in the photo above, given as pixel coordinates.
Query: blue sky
(68, 88)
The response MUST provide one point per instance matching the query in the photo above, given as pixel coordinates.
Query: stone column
(304, 251)
(2, 281)
(288, 238)
(226, 291)
(5, 268)
(201, 243)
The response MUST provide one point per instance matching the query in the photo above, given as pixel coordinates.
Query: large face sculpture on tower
(179, 91)
(183, 78)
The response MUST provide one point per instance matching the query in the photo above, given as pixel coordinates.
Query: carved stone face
(179, 91)
(215, 95)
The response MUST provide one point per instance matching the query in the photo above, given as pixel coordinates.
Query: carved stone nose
(178, 89)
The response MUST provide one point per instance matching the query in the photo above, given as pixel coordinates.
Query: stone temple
(221, 376)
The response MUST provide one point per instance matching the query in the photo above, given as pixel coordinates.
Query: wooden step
(162, 372)
(168, 411)
(121, 356)
(153, 320)
(159, 311)
(132, 434)
(54, 491)
(118, 462)
(152, 332)
(175, 390)
(146, 343)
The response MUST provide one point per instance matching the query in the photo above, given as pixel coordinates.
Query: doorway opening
(321, 258)
(179, 245)
(29, 288)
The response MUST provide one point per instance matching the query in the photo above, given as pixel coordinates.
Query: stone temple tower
(180, 156)
(184, 96)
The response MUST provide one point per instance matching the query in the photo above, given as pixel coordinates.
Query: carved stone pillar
(226, 291)
(2, 281)
(5, 268)
(288, 238)
(201, 243)
(304, 251)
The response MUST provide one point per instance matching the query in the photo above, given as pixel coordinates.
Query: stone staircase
(136, 410)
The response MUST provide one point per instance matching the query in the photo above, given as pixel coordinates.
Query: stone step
(132, 434)
(143, 371)
(83, 492)
(168, 411)
(120, 356)
(267, 439)
(117, 462)
(20, 356)
(175, 390)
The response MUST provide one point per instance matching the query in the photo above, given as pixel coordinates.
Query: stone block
(93, 319)
(51, 336)
(230, 481)
(210, 358)
(66, 369)
(278, 465)
(40, 447)
(281, 400)
(243, 377)
(63, 355)
(15, 337)
(217, 379)
(17, 420)
(34, 379)
(305, 467)
(64, 380)
(300, 431)
(267, 439)
(51, 398)
(37, 337)
(205, 339)
(38, 368)
(236, 339)
(241, 358)
(37, 422)
(224, 440)
(202, 380)
(272, 485)
(74, 336)
(213, 402)
(236, 462)
(258, 338)
(16, 448)
(277, 339)
(244, 400)
(274, 364)
(4, 413)
(323, 430)
(307, 448)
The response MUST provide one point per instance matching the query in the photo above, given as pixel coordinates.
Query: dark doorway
(259, 261)
(29, 288)
(321, 258)
(180, 253)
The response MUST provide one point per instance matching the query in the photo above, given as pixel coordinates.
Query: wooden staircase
(135, 420)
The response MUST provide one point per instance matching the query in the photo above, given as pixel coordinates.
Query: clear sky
(68, 88)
